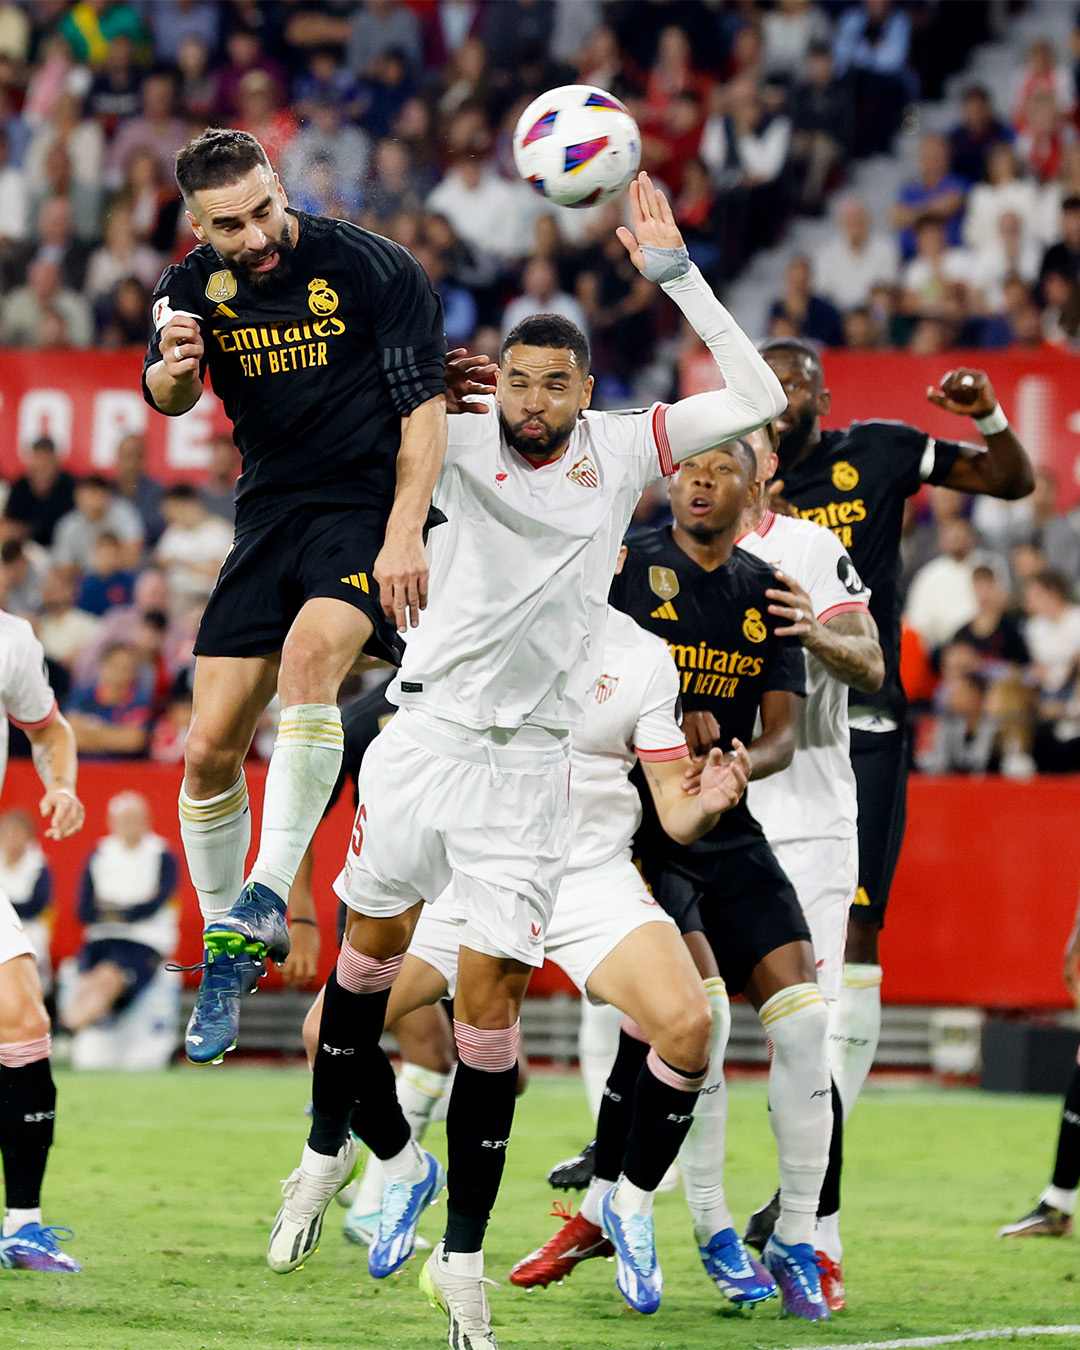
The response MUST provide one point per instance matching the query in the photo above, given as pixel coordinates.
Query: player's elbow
(1020, 483)
(874, 677)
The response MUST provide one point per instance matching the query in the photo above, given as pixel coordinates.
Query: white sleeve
(831, 581)
(657, 734)
(752, 395)
(31, 703)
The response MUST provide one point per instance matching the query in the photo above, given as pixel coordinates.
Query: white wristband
(993, 422)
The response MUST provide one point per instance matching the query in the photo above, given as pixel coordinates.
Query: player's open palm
(654, 223)
(724, 779)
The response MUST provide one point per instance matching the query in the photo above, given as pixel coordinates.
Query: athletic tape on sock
(17, 1054)
(633, 1030)
(675, 1078)
(360, 974)
(494, 1051)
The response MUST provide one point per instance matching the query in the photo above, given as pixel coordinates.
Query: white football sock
(302, 773)
(702, 1155)
(598, 1044)
(854, 1031)
(800, 1103)
(1059, 1199)
(469, 1264)
(369, 1189)
(627, 1199)
(590, 1205)
(827, 1237)
(14, 1219)
(408, 1165)
(216, 834)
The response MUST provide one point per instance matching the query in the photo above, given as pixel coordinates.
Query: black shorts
(880, 760)
(271, 572)
(747, 913)
(138, 962)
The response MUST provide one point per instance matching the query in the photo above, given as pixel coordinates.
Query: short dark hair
(107, 537)
(549, 330)
(216, 158)
(741, 448)
(797, 345)
(1071, 203)
(95, 480)
(45, 444)
(180, 492)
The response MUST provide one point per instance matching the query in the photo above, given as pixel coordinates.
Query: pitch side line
(917, 1342)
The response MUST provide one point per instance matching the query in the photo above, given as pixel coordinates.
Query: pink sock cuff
(17, 1054)
(672, 1077)
(360, 974)
(633, 1030)
(493, 1051)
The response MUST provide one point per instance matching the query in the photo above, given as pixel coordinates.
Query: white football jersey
(26, 696)
(520, 574)
(631, 715)
(814, 797)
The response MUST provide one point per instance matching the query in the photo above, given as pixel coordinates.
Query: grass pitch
(170, 1181)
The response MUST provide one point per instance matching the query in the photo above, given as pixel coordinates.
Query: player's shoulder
(651, 544)
(196, 268)
(382, 257)
(875, 435)
(806, 536)
(17, 637)
(637, 647)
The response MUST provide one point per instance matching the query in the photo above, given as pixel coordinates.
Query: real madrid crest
(754, 629)
(321, 299)
(221, 287)
(663, 582)
(845, 476)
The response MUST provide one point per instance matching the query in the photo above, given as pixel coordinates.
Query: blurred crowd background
(399, 114)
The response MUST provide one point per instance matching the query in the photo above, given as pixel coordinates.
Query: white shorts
(825, 874)
(494, 819)
(594, 910)
(14, 939)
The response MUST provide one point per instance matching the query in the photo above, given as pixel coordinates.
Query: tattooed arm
(847, 643)
(53, 751)
(689, 808)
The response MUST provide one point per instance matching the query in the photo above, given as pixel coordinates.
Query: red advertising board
(1040, 392)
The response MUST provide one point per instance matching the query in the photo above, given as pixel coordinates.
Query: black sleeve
(910, 450)
(1015, 646)
(166, 889)
(20, 504)
(408, 323)
(88, 910)
(39, 896)
(174, 293)
(785, 667)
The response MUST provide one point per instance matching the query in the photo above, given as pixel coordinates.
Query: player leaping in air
(468, 783)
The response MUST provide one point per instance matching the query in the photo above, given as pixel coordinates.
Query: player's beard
(793, 442)
(278, 276)
(537, 447)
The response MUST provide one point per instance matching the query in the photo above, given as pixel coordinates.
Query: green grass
(170, 1181)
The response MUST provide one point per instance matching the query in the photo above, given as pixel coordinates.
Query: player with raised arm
(27, 1093)
(855, 481)
(468, 783)
(325, 344)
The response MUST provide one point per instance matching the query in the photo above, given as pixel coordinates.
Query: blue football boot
(795, 1269)
(637, 1272)
(402, 1205)
(734, 1271)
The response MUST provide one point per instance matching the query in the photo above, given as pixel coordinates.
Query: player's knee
(862, 942)
(26, 1025)
(209, 766)
(687, 1035)
(380, 939)
(311, 669)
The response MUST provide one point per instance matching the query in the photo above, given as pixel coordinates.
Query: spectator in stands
(1014, 253)
(25, 310)
(126, 905)
(468, 78)
(192, 548)
(1047, 221)
(56, 242)
(98, 510)
(344, 149)
(40, 497)
(124, 625)
(486, 211)
(673, 72)
(123, 316)
(65, 630)
(115, 92)
(872, 40)
(81, 137)
(384, 91)
(158, 129)
(861, 333)
(788, 33)
(154, 202)
(195, 95)
(855, 258)
(937, 191)
(27, 882)
(822, 112)
(540, 294)
(978, 132)
(1063, 256)
(1042, 74)
(1006, 189)
(218, 491)
(1047, 134)
(83, 199)
(244, 48)
(517, 31)
(325, 81)
(942, 595)
(22, 567)
(88, 29)
(1053, 637)
(1060, 533)
(378, 27)
(14, 203)
(106, 583)
(994, 633)
(120, 256)
(260, 113)
(175, 22)
(926, 280)
(965, 738)
(811, 317)
(459, 307)
(111, 717)
(133, 484)
(394, 186)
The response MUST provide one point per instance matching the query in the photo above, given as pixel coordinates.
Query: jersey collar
(763, 528)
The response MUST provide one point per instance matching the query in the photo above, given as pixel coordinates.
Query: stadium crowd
(400, 116)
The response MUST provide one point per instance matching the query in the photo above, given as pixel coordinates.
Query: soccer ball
(577, 145)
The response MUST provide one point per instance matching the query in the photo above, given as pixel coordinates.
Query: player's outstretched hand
(794, 604)
(654, 224)
(182, 347)
(724, 779)
(968, 393)
(302, 964)
(466, 377)
(401, 569)
(66, 813)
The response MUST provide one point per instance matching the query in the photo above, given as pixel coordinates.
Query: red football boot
(832, 1282)
(576, 1241)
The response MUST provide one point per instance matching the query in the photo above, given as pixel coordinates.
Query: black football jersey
(855, 483)
(316, 376)
(724, 643)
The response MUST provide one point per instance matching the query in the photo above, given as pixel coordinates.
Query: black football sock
(617, 1107)
(27, 1112)
(478, 1122)
(829, 1200)
(353, 1081)
(664, 1100)
(1067, 1165)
